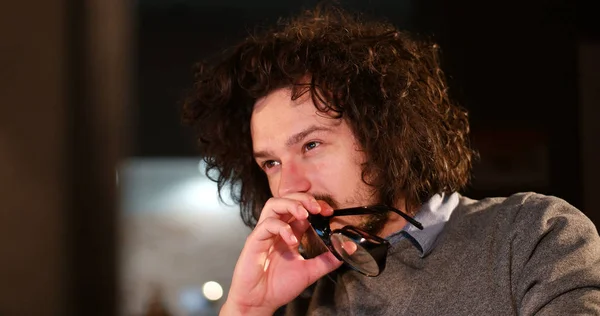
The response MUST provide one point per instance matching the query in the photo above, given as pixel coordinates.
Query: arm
(270, 271)
(557, 260)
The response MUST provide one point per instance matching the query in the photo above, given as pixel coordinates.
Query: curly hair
(386, 84)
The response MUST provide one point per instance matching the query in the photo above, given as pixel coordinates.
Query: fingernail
(303, 212)
(293, 238)
(316, 205)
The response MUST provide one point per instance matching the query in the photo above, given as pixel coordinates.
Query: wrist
(230, 308)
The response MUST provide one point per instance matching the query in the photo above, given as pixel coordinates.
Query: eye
(269, 164)
(310, 146)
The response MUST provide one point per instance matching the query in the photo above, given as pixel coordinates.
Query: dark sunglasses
(363, 252)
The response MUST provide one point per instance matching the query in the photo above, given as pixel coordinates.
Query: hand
(270, 271)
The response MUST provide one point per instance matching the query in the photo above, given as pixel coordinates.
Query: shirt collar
(433, 215)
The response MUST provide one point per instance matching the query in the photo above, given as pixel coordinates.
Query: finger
(297, 206)
(299, 227)
(308, 201)
(264, 234)
(283, 209)
(349, 247)
(326, 209)
(321, 265)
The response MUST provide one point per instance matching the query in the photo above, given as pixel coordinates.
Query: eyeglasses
(363, 252)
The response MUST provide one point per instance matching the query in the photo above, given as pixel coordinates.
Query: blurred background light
(212, 290)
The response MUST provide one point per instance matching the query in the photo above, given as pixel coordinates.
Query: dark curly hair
(387, 85)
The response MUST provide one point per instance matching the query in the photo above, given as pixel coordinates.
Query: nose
(293, 178)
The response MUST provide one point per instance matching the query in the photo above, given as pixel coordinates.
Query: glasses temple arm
(408, 218)
(368, 210)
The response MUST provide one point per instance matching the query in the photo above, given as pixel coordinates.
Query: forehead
(279, 103)
(277, 115)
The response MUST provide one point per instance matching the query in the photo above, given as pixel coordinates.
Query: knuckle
(268, 204)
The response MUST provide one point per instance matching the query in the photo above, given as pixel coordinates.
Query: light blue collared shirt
(433, 215)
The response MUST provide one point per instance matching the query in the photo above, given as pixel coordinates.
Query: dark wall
(512, 64)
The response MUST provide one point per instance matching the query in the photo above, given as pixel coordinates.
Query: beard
(311, 244)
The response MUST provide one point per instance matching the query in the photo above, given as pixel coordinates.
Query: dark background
(512, 64)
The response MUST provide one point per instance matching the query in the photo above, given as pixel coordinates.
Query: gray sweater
(528, 254)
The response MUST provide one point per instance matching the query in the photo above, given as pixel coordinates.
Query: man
(329, 112)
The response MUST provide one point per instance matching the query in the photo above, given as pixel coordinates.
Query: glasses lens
(311, 244)
(354, 255)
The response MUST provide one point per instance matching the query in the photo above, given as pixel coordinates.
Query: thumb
(321, 265)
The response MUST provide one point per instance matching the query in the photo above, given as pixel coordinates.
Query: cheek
(273, 185)
(322, 176)
(336, 177)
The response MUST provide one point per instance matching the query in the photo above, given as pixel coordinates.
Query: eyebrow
(293, 140)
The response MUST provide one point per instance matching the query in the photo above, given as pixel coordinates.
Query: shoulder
(552, 248)
(529, 221)
(524, 208)
(540, 248)
(513, 202)
(523, 219)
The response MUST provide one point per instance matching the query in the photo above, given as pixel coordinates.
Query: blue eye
(311, 145)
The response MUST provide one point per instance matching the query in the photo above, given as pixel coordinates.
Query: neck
(396, 222)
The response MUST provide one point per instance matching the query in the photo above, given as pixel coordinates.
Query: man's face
(303, 150)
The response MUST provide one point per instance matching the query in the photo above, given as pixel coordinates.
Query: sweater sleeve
(556, 259)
